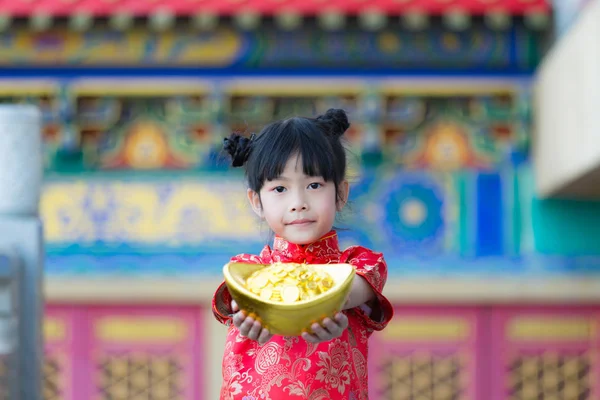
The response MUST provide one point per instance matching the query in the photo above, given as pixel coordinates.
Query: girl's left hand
(330, 329)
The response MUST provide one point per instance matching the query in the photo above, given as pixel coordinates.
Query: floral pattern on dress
(335, 366)
(290, 367)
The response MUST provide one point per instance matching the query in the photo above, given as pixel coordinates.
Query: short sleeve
(372, 267)
(221, 302)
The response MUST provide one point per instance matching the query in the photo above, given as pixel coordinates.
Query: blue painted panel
(490, 232)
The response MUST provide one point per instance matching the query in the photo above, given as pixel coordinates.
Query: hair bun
(336, 121)
(238, 148)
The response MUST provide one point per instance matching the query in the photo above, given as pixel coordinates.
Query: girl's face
(299, 208)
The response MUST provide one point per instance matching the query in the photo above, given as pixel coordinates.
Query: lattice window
(422, 377)
(51, 373)
(4, 377)
(137, 377)
(550, 376)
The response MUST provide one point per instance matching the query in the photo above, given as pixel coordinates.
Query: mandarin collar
(324, 250)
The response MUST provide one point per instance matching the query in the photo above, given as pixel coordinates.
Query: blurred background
(475, 162)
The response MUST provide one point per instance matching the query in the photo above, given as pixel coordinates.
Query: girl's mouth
(301, 222)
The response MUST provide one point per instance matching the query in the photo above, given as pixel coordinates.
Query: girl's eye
(279, 189)
(315, 185)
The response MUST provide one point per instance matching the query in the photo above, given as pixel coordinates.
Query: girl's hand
(248, 326)
(330, 329)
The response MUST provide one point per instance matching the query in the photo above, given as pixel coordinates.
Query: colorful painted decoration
(439, 48)
(452, 133)
(414, 214)
(161, 10)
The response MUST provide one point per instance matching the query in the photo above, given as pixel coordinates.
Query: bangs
(300, 138)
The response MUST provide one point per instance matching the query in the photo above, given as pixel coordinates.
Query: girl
(296, 175)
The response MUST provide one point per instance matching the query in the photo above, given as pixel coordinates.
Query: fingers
(341, 320)
(310, 338)
(330, 329)
(251, 328)
(255, 330)
(246, 326)
(336, 326)
(234, 306)
(264, 336)
(238, 319)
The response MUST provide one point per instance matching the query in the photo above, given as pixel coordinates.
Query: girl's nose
(299, 207)
(299, 204)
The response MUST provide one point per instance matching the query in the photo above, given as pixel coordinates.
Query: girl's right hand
(248, 326)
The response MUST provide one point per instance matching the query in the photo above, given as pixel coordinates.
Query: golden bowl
(289, 319)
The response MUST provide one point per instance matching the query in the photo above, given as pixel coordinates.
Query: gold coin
(273, 278)
(327, 282)
(260, 281)
(305, 296)
(289, 282)
(282, 273)
(290, 294)
(266, 293)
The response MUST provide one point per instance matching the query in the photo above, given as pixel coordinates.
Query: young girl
(296, 175)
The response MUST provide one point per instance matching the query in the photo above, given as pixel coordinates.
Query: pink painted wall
(480, 335)
(85, 343)
(466, 341)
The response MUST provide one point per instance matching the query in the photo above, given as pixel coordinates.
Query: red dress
(290, 367)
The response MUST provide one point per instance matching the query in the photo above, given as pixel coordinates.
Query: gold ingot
(289, 304)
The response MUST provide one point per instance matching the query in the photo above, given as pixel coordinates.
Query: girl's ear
(344, 191)
(255, 203)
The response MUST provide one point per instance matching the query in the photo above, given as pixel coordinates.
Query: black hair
(316, 140)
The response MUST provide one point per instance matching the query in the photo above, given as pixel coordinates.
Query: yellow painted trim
(55, 329)
(141, 88)
(395, 86)
(27, 88)
(400, 291)
(140, 329)
(427, 329)
(539, 329)
(294, 87)
(446, 87)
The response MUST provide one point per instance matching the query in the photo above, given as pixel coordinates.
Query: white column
(20, 160)
(21, 247)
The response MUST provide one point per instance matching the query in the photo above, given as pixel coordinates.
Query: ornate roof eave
(289, 14)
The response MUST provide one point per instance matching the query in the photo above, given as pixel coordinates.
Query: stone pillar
(21, 249)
